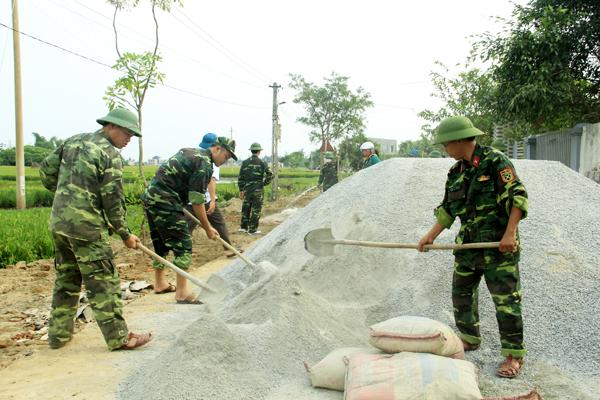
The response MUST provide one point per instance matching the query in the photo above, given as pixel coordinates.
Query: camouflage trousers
(251, 208)
(501, 274)
(79, 261)
(169, 232)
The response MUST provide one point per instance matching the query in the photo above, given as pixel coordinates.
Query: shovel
(214, 291)
(320, 242)
(265, 268)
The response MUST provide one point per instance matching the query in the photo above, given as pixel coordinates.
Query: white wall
(590, 148)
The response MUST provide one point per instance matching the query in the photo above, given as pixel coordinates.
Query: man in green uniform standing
(254, 176)
(85, 173)
(183, 179)
(328, 176)
(484, 192)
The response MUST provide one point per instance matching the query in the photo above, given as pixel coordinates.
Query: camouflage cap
(123, 118)
(227, 144)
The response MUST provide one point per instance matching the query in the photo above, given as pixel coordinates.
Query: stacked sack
(413, 357)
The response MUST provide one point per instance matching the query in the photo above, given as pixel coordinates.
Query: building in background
(385, 146)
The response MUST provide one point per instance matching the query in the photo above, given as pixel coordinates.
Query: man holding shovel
(484, 192)
(85, 174)
(183, 179)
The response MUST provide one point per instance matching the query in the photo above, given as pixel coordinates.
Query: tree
(349, 151)
(470, 94)
(138, 71)
(294, 160)
(332, 110)
(547, 65)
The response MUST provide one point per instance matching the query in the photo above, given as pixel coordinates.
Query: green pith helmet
(123, 118)
(255, 147)
(455, 128)
(435, 154)
(227, 144)
(329, 155)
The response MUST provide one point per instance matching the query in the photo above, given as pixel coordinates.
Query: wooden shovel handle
(223, 242)
(175, 268)
(450, 246)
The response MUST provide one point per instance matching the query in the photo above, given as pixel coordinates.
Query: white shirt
(216, 174)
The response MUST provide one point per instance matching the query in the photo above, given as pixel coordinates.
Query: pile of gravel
(252, 346)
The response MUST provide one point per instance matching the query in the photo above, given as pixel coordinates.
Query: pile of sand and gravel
(254, 344)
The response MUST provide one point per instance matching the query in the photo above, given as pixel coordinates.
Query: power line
(108, 66)
(221, 48)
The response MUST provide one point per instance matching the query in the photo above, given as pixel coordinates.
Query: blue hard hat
(208, 140)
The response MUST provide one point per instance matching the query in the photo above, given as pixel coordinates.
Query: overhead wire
(108, 66)
(220, 47)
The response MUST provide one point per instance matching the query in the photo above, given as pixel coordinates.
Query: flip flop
(135, 340)
(510, 367)
(169, 289)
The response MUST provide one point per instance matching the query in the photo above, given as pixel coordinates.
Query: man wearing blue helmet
(214, 215)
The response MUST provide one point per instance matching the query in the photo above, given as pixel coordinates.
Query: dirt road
(84, 369)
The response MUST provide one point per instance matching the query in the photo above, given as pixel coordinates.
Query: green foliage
(25, 236)
(349, 150)
(33, 155)
(138, 74)
(294, 160)
(546, 65)
(470, 94)
(333, 111)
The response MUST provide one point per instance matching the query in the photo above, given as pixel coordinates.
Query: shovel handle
(175, 268)
(452, 246)
(223, 242)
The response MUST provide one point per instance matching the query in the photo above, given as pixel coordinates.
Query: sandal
(135, 340)
(469, 346)
(510, 367)
(169, 289)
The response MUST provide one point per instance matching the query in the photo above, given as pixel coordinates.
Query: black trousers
(216, 220)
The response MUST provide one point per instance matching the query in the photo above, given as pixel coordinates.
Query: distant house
(386, 146)
(154, 161)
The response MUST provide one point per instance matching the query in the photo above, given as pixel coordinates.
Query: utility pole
(275, 134)
(19, 153)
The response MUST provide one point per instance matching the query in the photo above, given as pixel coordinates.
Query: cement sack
(410, 376)
(330, 372)
(418, 335)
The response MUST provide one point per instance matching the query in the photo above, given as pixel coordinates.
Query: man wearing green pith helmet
(85, 173)
(254, 176)
(485, 193)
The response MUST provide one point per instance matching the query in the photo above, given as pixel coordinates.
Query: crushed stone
(253, 345)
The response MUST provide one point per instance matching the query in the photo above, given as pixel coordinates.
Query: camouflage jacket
(371, 160)
(181, 180)
(481, 194)
(85, 173)
(254, 175)
(328, 176)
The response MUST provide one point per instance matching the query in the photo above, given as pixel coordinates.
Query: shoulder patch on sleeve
(507, 175)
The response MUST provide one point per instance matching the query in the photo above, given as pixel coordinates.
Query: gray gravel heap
(252, 346)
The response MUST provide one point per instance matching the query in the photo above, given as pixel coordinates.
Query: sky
(220, 57)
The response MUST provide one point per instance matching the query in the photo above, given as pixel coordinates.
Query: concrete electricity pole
(20, 155)
(275, 133)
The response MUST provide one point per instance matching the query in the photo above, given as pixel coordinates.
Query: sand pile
(253, 345)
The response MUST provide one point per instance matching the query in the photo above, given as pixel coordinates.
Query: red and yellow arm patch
(507, 175)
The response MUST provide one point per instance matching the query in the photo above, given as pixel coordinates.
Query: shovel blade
(315, 242)
(218, 293)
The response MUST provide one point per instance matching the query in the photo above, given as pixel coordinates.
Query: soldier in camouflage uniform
(85, 173)
(328, 176)
(484, 192)
(254, 176)
(183, 179)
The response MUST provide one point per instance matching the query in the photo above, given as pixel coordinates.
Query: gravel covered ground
(252, 346)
